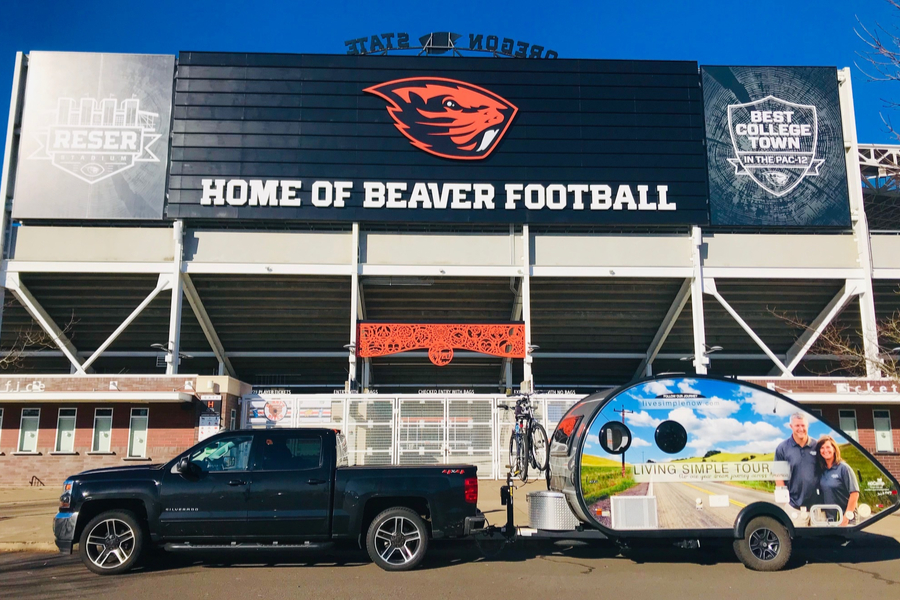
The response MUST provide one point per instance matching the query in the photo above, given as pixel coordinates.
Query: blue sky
(733, 418)
(724, 32)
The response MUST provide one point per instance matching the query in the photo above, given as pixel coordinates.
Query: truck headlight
(66, 499)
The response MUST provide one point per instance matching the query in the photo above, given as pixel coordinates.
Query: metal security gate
(409, 429)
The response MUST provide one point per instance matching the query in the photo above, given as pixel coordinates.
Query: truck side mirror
(184, 466)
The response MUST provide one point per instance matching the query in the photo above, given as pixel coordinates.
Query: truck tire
(112, 542)
(766, 545)
(397, 539)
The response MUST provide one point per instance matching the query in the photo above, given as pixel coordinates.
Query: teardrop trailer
(682, 459)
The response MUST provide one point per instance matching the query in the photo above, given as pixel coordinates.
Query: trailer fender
(760, 509)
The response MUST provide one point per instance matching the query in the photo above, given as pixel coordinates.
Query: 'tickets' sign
(95, 133)
(403, 139)
(775, 147)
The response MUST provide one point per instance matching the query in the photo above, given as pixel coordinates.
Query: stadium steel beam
(354, 309)
(515, 315)
(665, 327)
(174, 342)
(37, 312)
(526, 306)
(7, 178)
(709, 287)
(860, 226)
(701, 360)
(812, 332)
(163, 283)
(193, 298)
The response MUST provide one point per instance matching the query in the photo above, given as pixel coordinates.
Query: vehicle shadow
(33, 575)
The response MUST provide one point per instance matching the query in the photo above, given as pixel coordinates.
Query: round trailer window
(615, 437)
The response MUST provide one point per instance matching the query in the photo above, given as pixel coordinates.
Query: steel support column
(868, 319)
(709, 287)
(812, 332)
(665, 327)
(193, 298)
(526, 305)
(701, 360)
(173, 346)
(42, 318)
(163, 283)
(354, 308)
(9, 164)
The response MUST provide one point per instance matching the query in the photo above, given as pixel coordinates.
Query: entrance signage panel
(95, 131)
(437, 139)
(775, 146)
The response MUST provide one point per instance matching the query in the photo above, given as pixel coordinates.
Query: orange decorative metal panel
(498, 339)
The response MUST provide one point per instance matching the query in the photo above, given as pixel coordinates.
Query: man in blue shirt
(799, 451)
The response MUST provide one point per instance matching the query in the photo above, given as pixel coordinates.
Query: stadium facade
(392, 245)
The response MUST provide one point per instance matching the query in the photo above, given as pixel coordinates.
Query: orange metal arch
(440, 339)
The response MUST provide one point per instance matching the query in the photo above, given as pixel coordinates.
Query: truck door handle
(315, 481)
(236, 482)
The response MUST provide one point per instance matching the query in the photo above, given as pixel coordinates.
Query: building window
(102, 429)
(233, 425)
(816, 412)
(65, 430)
(883, 437)
(848, 423)
(137, 433)
(28, 429)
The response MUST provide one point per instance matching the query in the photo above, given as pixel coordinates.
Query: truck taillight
(472, 490)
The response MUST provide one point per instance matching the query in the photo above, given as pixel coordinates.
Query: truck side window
(229, 454)
(286, 453)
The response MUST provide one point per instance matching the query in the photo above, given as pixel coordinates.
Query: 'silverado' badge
(774, 143)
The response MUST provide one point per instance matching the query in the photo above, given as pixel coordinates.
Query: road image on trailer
(691, 457)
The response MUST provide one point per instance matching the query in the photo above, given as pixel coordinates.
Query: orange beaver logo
(447, 118)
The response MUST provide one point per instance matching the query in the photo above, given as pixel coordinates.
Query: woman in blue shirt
(837, 482)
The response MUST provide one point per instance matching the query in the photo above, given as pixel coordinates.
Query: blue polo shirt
(837, 483)
(804, 481)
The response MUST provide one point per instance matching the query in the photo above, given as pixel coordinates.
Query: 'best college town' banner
(775, 146)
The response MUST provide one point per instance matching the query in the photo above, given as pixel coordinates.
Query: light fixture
(531, 348)
(350, 347)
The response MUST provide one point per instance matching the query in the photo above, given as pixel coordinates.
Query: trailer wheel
(766, 545)
(397, 539)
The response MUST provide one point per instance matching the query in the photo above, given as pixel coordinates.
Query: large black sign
(775, 146)
(433, 139)
(95, 135)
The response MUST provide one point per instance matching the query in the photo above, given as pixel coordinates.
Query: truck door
(290, 493)
(211, 501)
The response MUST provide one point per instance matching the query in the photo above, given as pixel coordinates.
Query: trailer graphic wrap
(691, 453)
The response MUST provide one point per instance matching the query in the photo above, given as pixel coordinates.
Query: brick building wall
(171, 428)
(865, 423)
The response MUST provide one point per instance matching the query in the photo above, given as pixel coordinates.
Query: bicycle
(528, 442)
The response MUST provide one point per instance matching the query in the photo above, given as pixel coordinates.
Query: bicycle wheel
(515, 457)
(540, 448)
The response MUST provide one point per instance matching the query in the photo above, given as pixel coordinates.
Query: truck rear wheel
(766, 545)
(397, 539)
(111, 543)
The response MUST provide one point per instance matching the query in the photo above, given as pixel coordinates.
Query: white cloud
(639, 443)
(642, 419)
(759, 446)
(658, 388)
(684, 386)
(719, 408)
(768, 406)
(709, 433)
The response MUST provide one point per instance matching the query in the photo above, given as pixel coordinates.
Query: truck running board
(186, 546)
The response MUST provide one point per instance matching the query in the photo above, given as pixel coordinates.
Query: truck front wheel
(397, 539)
(111, 543)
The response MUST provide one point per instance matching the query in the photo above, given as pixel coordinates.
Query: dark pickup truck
(276, 488)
